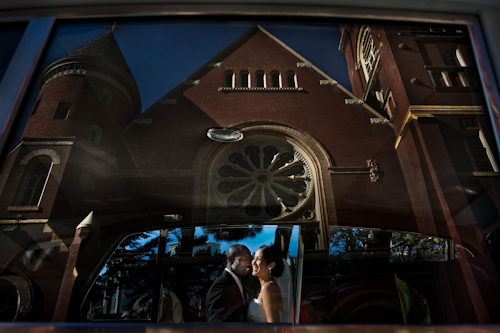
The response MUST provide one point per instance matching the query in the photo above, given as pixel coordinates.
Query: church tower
(424, 81)
(71, 142)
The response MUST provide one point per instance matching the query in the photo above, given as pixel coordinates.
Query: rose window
(262, 179)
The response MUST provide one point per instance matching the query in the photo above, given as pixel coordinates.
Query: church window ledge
(254, 89)
(33, 209)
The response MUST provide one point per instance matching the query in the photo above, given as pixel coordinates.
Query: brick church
(257, 135)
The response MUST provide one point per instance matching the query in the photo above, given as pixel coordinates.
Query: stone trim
(30, 209)
(56, 159)
(416, 111)
(486, 174)
(87, 72)
(27, 221)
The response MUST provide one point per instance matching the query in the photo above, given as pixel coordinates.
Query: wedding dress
(256, 312)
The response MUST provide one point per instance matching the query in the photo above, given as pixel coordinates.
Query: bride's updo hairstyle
(271, 254)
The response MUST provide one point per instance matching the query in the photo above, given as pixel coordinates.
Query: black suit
(224, 301)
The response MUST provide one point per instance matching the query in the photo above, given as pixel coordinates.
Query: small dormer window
(276, 79)
(291, 79)
(228, 79)
(260, 78)
(241, 81)
(244, 79)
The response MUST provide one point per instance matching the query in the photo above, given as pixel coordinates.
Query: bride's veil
(286, 285)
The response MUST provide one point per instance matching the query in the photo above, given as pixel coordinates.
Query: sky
(265, 237)
(161, 54)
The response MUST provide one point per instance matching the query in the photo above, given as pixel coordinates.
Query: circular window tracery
(261, 178)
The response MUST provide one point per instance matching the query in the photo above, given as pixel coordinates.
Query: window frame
(228, 79)
(260, 79)
(490, 99)
(25, 180)
(245, 74)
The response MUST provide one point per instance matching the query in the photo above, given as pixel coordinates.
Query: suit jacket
(224, 301)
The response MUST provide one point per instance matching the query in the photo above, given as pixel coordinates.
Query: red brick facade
(155, 163)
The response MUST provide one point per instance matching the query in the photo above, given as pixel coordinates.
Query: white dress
(256, 312)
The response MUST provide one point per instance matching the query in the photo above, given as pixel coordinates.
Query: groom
(225, 299)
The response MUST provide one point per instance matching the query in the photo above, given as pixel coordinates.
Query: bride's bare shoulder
(270, 287)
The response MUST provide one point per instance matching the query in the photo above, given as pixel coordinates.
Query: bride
(266, 265)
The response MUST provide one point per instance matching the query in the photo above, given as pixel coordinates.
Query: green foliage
(345, 241)
(128, 276)
(414, 247)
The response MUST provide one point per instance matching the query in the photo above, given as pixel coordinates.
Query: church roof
(104, 47)
(104, 52)
(237, 44)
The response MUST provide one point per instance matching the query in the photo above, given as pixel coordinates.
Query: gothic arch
(311, 161)
(56, 159)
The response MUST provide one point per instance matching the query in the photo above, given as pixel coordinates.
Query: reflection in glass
(124, 287)
(378, 276)
(197, 256)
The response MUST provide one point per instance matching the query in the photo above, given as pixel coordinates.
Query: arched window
(276, 79)
(291, 80)
(244, 79)
(366, 51)
(228, 79)
(264, 177)
(260, 79)
(34, 181)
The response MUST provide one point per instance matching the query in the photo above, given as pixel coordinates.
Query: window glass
(156, 145)
(192, 261)
(290, 79)
(244, 79)
(62, 111)
(33, 181)
(275, 79)
(260, 78)
(228, 79)
(124, 288)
